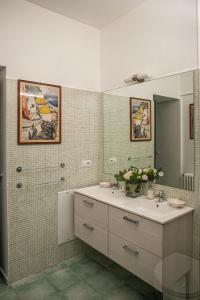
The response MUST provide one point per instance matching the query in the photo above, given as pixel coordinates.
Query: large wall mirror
(152, 124)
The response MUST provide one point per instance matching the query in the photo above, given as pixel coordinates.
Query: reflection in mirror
(152, 124)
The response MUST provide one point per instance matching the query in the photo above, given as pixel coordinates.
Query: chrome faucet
(160, 196)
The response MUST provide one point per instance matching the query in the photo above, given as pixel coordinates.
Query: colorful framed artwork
(39, 113)
(140, 120)
(191, 121)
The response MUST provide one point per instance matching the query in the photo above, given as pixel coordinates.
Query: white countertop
(140, 206)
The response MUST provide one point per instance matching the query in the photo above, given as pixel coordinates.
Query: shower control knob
(62, 165)
(19, 169)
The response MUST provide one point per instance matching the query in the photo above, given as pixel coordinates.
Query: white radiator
(65, 216)
(188, 181)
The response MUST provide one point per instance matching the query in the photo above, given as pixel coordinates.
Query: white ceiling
(96, 13)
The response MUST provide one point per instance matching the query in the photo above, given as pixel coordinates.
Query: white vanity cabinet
(145, 242)
(91, 222)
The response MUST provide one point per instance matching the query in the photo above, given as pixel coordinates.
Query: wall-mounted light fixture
(136, 78)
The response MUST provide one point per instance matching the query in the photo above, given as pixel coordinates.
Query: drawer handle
(135, 252)
(88, 202)
(130, 220)
(88, 226)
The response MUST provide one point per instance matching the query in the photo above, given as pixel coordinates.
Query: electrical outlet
(86, 163)
(112, 160)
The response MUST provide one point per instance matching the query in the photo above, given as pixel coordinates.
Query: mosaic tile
(32, 212)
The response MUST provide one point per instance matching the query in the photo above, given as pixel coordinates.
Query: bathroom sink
(160, 212)
(142, 204)
(155, 207)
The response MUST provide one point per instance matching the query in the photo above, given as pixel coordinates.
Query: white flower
(155, 171)
(139, 171)
(145, 171)
(128, 175)
(161, 173)
(144, 177)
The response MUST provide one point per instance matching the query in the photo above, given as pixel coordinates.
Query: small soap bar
(105, 184)
(175, 202)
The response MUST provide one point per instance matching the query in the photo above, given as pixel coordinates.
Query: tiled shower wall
(32, 211)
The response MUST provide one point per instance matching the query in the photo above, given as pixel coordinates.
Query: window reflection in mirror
(152, 124)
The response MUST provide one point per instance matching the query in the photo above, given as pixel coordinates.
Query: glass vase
(133, 190)
(121, 186)
(150, 191)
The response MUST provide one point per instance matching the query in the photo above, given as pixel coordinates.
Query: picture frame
(140, 120)
(191, 118)
(39, 113)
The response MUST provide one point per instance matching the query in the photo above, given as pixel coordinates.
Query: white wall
(37, 44)
(166, 86)
(158, 37)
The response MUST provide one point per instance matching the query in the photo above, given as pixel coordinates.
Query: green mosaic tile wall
(32, 212)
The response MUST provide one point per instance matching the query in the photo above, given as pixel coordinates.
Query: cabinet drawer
(93, 235)
(140, 231)
(95, 210)
(135, 259)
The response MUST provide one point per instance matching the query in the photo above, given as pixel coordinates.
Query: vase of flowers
(153, 175)
(135, 178)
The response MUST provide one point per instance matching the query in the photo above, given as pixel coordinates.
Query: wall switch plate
(86, 163)
(112, 160)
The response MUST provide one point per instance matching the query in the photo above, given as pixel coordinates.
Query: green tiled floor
(81, 278)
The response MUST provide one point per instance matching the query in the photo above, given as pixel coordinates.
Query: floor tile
(54, 296)
(138, 284)
(99, 258)
(124, 293)
(81, 291)
(8, 294)
(38, 276)
(120, 272)
(62, 279)
(86, 268)
(77, 259)
(104, 282)
(39, 290)
(81, 278)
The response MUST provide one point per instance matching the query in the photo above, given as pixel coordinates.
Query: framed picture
(140, 120)
(39, 113)
(191, 121)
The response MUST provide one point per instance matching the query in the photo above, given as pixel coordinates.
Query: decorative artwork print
(140, 120)
(39, 113)
(191, 121)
